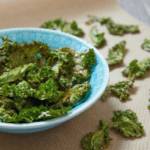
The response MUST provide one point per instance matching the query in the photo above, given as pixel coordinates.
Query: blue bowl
(57, 39)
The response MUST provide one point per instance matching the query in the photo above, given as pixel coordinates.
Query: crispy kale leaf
(73, 95)
(15, 74)
(97, 140)
(83, 64)
(7, 105)
(35, 114)
(36, 75)
(76, 92)
(119, 29)
(21, 90)
(80, 74)
(137, 69)
(115, 55)
(113, 28)
(120, 89)
(16, 54)
(146, 45)
(149, 105)
(96, 19)
(64, 26)
(48, 91)
(126, 123)
(97, 39)
(88, 60)
(23, 103)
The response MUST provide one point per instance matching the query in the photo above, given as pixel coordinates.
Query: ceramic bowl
(57, 39)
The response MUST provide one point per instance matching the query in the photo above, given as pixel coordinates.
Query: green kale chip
(126, 123)
(137, 69)
(7, 90)
(115, 55)
(47, 90)
(120, 89)
(83, 64)
(73, 95)
(97, 39)
(8, 46)
(66, 81)
(35, 114)
(97, 140)
(113, 28)
(96, 19)
(21, 90)
(146, 45)
(18, 54)
(7, 105)
(149, 105)
(64, 26)
(76, 92)
(36, 75)
(119, 29)
(80, 74)
(23, 103)
(15, 74)
(89, 59)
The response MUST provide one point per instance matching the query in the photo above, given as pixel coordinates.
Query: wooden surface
(139, 9)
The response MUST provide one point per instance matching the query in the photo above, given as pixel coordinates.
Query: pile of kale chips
(37, 83)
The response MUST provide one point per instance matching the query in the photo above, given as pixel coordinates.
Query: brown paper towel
(32, 13)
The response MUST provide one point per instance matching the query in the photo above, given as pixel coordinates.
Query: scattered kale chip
(120, 89)
(115, 55)
(137, 69)
(99, 139)
(119, 29)
(97, 19)
(64, 26)
(126, 123)
(149, 105)
(97, 39)
(146, 45)
(113, 28)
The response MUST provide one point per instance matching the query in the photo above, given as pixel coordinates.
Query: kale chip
(64, 26)
(126, 123)
(97, 39)
(113, 28)
(119, 29)
(97, 140)
(137, 69)
(73, 95)
(115, 55)
(120, 89)
(146, 45)
(97, 19)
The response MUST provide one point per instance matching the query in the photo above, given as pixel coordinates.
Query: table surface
(139, 9)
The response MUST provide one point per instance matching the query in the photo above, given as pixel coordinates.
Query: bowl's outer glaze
(57, 39)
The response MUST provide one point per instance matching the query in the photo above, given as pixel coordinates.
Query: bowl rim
(74, 113)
